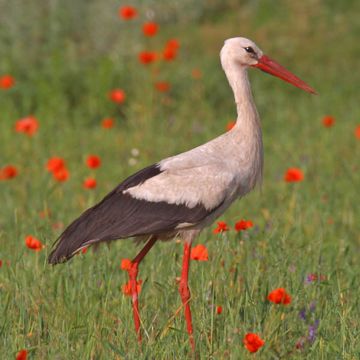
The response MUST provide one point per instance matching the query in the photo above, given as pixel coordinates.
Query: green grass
(65, 59)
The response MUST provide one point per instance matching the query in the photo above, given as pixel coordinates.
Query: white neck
(247, 131)
(239, 82)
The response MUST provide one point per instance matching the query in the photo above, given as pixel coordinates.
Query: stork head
(243, 52)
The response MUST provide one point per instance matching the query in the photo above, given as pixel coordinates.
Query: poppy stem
(133, 272)
(185, 292)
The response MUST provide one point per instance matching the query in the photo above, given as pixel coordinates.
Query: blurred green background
(65, 57)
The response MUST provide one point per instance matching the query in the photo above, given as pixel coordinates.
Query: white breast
(212, 174)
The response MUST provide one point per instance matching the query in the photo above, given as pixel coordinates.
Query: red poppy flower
(279, 296)
(93, 161)
(127, 12)
(117, 96)
(58, 225)
(243, 225)
(219, 310)
(172, 44)
(43, 214)
(311, 278)
(107, 123)
(169, 54)
(314, 277)
(199, 252)
(89, 183)
(230, 125)
(61, 174)
(328, 121)
(253, 342)
(170, 50)
(147, 57)
(28, 125)
(8, 172)
(162, 86)
(221, 227)
(150, 28)
(125, 264)
(33, 243)
(55, 164)
(84, 250)
(196, 74)
(1, 263)
(22, 355)
(126, 288)
(57, 167)
(293, 175)
(6, 82)
(357, 132)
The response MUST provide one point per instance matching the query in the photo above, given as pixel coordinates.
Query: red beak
(272, 67)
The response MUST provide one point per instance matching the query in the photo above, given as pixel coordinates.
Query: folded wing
(127, 212)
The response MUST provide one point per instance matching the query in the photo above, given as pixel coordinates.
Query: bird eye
(249, 49)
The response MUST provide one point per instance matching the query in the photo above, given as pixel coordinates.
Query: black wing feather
(120, 215)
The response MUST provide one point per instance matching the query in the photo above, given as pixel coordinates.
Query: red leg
(185, 292)
(133, 272)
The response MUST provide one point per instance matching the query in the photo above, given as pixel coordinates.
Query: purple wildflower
(302, 314)
(312, 306)
(310, 278)
(312, 331)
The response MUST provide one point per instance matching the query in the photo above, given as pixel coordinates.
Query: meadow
(66, 58)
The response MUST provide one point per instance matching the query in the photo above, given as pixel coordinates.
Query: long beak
(272, 67)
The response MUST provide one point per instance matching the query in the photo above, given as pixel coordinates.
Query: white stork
(182, 194)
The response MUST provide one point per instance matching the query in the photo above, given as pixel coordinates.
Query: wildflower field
(92, 91)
